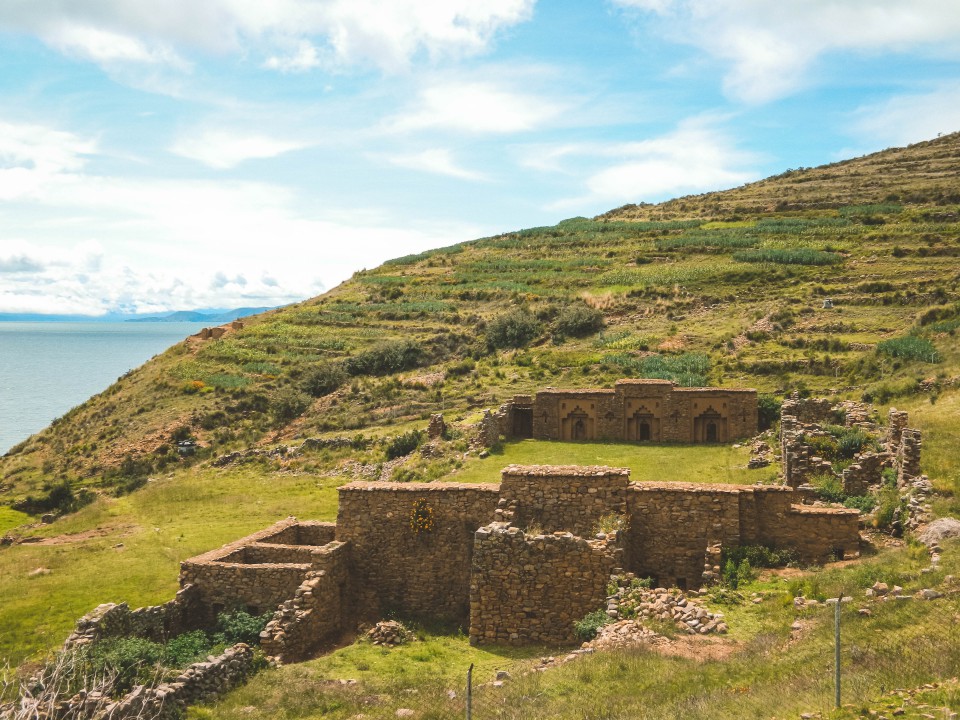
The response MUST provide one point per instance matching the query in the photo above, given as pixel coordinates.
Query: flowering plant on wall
(421, 517)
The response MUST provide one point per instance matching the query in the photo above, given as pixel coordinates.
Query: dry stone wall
(396, 568)
(565, 497)
(645, 410)
(531, 589)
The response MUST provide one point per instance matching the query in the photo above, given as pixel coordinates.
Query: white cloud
(694, 158)
(478, 107)
(437, 160)
(224, 149)
(906, 119)
(31, 156)
(306, 57)
(106, 48)
(136, 243)
(771, 46)
(385, 34)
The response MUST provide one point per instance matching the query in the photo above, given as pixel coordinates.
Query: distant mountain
(214, 318)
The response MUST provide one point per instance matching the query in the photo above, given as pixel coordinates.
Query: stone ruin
(517, 561)
(802, 419)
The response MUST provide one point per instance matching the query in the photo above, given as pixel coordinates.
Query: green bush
(404, 444)
(288, 404)
(909, 348)
(768, 411)
(863, 503)
(829, 488)
(187, 648)
(240, 626)
(386, 358)
(587, 628)
(514, 329)
(133, 660)
(58, 498)
(579, 320)
(323, 379)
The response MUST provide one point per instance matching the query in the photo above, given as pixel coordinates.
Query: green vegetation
(590, 625)
(724, 289)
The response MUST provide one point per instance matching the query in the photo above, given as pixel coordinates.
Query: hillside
(841, 281)
(728, 291)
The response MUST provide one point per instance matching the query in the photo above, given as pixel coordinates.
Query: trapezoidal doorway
(578, 425)
(710, 427)
(643, 426)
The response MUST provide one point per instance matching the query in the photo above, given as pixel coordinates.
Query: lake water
(46, 368)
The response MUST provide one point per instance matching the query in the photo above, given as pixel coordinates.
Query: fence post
(836, 652)
(470, 692)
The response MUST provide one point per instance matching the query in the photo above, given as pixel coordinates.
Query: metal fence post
(470, 692)
(836, 652)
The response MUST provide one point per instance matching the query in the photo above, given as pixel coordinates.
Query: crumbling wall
(413, 573)
(531, 589)
(318, 612)
(562, 497)
(156, 622)
(255, 571)
(672, 525)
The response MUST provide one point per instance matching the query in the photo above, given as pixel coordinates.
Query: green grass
(766, 674)
(674, 463)
(10, 518)
(135, 545)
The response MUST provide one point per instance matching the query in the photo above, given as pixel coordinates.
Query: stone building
(519, 560)
(634, 410)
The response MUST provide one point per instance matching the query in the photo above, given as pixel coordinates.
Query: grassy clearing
(129, 549)
(683, 463)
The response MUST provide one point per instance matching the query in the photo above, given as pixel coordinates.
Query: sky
(159, 156)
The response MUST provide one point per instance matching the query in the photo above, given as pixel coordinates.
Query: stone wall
(318, 612)
(674, 526)
(645, 410)
(397, 569)
(256, 572)
(199, 682)
(156, 622)
(565, 497)
(531, 589)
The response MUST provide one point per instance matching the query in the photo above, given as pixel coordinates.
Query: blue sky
(215, 153)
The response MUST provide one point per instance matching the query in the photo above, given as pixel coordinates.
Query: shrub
(386, 358)
(909, 348)
(579, 320)
(134, 660)
(58, 498)
(863, 503)
(187, 648)
(513, 329)
(829, 488)
(288, 404)
(239, 626)
(768, 411)
(323, 379)
(404, 444)
(587, 628)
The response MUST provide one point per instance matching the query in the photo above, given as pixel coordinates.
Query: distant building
(634, 410)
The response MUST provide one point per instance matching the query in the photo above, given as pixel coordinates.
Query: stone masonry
(634, 410)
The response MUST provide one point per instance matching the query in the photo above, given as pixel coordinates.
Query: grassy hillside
(721, 289)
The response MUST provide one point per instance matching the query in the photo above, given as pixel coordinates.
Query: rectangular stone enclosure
(634, 411)
(518, 561)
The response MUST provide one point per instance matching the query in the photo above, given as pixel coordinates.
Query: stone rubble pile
(389, 633)
(622, 634)
(665, 605)
(760, 454)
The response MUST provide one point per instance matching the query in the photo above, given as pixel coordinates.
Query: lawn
(674, 463)
(128, 549)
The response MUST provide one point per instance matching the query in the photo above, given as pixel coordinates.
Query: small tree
(579, 320)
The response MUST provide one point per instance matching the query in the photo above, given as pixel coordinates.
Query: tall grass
(910, 347)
